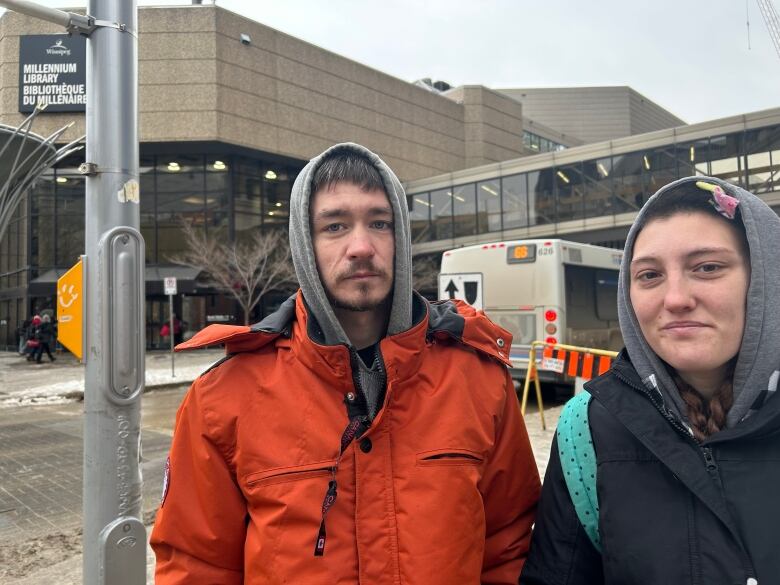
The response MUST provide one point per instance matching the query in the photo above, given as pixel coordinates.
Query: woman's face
(689, 281)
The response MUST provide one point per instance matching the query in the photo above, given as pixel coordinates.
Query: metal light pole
(114, 534)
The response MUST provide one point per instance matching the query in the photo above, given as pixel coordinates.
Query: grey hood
(756, 373)
(306, 265)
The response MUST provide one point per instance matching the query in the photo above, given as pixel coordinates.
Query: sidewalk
(41, 459)
(24, 383)
(41, 419)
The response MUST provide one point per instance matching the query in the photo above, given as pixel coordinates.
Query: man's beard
(358, 306)
(363, 304)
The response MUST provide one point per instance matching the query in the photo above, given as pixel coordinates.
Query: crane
(772, 21)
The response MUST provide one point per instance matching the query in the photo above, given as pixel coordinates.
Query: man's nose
(360, 244)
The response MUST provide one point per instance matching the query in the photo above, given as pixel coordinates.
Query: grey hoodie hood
(306, 265)
(756, 373)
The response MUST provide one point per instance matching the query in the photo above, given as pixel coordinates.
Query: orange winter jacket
(440, 489)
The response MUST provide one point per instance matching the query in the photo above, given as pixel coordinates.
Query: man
(359, 434)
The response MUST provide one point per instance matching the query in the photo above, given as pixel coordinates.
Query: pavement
(41, 458)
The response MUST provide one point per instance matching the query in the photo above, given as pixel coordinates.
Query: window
(489, 206)
(420, 216)
(606, 282)
(465, 210)
(441, 214)
(630, 192)
(597, 178)
(693, 158)
(762, 150)
(725, 162)
(541, 203)
(570, 191)
(659, 168)
(514, 199)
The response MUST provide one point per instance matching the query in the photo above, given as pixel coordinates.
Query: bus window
(606, 295)
(522, 326)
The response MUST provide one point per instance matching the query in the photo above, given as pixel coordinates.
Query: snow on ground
(24, 383)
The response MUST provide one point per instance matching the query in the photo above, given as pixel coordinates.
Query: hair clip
(725, 204)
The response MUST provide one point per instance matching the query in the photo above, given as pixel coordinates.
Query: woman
(46, 337)
(686, 424)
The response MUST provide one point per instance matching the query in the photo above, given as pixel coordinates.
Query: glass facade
(597, 187)
(226, 194)
(175, 189)
(538, 143)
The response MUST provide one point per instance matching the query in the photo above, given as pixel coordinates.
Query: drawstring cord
(356, 427)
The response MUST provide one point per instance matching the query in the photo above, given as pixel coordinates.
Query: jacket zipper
(709, 459)
(356, 427)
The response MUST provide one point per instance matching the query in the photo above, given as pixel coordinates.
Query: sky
(689, 56)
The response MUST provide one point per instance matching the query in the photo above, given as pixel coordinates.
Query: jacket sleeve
(561, 552)
(200, 529)
(510, 489)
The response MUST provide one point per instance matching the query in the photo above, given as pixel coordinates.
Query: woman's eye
(709, 268)
(647, 275)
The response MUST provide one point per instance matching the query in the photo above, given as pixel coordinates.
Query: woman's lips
(683, 327)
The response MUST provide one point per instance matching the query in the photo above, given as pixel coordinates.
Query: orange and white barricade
(581, 363)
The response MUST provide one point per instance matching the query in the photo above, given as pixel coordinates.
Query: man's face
(354, 244)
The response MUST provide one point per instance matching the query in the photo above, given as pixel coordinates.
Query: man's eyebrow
(691, 254)
(384, 210)
(338, 212)
(330, 213)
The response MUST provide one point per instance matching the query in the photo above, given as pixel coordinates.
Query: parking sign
(170, 285)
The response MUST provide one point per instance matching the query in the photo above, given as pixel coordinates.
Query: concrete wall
(593, 114)
(647, 116)
(493, 124)
(198, 82)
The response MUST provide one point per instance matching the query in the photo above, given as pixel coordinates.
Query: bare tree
(247, 269)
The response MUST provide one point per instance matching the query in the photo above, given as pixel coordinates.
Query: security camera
(246, 39)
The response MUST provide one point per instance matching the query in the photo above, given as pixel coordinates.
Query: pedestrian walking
(33, 338)
(360, 434)
(178, 331)
(47, 337)
(666, 471)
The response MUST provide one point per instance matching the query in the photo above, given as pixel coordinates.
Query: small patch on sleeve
(166, 481)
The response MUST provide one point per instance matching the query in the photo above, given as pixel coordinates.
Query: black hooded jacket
(673, 510)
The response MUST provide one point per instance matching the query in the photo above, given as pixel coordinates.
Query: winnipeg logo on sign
(465, 286)
(58, 49)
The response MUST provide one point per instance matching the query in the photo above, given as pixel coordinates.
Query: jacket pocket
(452, 456)
(279, 475)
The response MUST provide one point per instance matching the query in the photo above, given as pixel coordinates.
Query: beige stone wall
(493, 124)
(593, 114)
(284, 95)
(198, 82)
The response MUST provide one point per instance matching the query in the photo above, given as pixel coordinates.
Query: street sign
(52, 71)
(70, 309)
(466, 287)
(170, 285)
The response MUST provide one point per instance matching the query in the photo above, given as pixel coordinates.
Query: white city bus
(553, 290)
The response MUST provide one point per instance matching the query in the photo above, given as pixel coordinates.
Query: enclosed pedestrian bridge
(591, 193)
